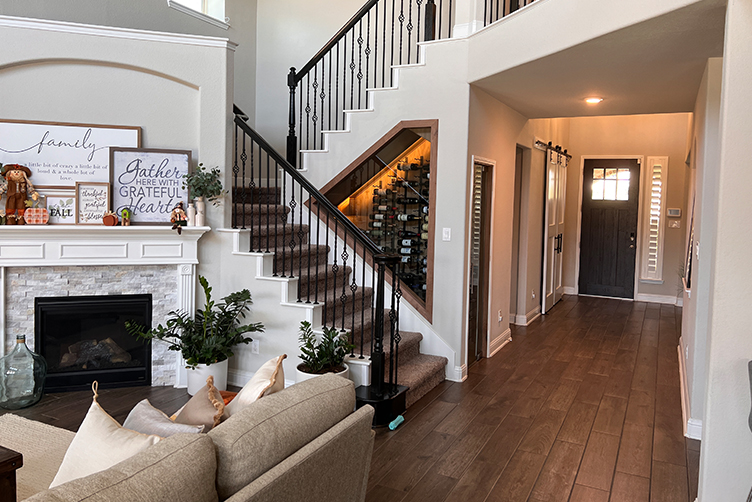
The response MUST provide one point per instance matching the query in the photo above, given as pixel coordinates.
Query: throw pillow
(205, 407)
(99, 444)
(227, 396)
(146, 419)
(270, 378)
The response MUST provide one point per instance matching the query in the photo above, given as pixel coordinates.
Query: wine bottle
(407, 200)
(379, 216)
(382, 200)
(384, 208)
(425, 270)
(407, 233)
(382, 191)
(424, 209)
(379, 233)
(424, 227)
(407, 217)
(409, 251)
(408, 259)
(379, 224)
(409, 242)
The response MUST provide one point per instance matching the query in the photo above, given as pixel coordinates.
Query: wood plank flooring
(583, 405)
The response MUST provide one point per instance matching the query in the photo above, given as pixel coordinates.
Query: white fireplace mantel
(82, 246)
(61, 245)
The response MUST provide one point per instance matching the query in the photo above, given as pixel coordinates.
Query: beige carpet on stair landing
(42, 446)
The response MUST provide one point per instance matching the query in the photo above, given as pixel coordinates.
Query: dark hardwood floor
(583, 405)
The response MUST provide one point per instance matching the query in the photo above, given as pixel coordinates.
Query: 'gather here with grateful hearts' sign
(148, 182)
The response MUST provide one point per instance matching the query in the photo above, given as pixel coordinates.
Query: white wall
(726, 459)
(290, 32)
(155, 15)
(705, 153)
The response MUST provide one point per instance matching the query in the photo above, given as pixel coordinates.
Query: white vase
(301, 376)
(191, 213)
(200, 212)
(197, 378)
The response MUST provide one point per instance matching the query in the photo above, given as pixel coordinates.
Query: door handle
(631, 240)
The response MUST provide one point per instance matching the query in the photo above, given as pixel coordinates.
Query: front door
(608, 245)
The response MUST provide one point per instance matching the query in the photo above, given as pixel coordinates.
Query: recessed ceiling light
(593, 101)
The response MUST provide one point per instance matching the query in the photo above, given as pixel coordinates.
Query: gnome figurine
(18, 189)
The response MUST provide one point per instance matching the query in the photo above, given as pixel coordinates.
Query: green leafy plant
(324, 356)
(211, 335)
(204, 183)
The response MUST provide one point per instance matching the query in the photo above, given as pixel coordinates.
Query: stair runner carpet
(342, 308)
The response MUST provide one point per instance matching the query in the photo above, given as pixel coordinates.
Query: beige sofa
(304, 443)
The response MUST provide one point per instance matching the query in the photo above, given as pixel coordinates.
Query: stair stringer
(274, 304)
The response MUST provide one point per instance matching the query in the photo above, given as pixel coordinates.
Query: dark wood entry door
(608, 245)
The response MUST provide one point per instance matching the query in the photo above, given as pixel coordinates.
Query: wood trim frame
(424, 308)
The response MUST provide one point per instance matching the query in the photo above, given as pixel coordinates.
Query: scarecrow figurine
(18, 188)
(178, 218)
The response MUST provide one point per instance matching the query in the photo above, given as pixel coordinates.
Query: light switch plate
(446, 234)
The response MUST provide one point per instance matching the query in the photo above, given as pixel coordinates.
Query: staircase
(324, 280)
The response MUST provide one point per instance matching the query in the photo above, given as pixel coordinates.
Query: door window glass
(610, 184)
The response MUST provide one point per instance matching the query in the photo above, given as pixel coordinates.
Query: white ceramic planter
(197, 378)
(301, 376)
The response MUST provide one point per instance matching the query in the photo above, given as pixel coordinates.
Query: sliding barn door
(553, 229)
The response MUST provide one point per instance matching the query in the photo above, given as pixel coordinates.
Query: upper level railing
(360, 56)
(285, 214)
(493, 10)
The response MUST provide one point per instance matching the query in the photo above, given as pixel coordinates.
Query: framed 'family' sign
(148, 182)
(60, 154)
(92, 201)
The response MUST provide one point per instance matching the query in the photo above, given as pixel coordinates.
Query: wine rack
(398, 219)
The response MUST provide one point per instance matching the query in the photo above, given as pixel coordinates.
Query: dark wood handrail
(299, 178)
(336, 38)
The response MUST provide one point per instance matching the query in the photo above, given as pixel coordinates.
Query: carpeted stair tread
(409, 347)
(421, 373)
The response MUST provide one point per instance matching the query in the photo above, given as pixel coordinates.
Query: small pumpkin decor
(126, 215)
(110, 219)
(35, 215)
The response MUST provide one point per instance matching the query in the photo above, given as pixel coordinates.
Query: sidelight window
(652, 253)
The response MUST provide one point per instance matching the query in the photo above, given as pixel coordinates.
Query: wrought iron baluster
(441, 12)
(373, 307)
(308, 111)
(363, 300)
(329, 122)
(391, 62)
(274, 195)
(449, 22)
(417, 34)
(300, 127)
(397, 337)
(293, 205)
(291, 140)
(360, 64)
(336, 92)
(344, 82)
(268, 206)
(283, 249)
(383, 50)
(335, 269)
(308, 235)
(345, 256)
(235, 172)
(353, 289)
(402, 27)
(368, 51)
(409, 29)
(376, 48)
(352, 71)
(315, 116)
(318, 255)
(301, 234)
(392, 322)
(254, 209)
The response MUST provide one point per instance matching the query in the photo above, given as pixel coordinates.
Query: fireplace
(83, 338)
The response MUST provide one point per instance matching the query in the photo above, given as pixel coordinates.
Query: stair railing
(359, 57)
(493, 10)
(283, 213)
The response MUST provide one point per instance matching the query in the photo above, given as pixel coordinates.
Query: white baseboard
(569, 290)
(239, 377)
(692, 426)
(499, 342)
(665, 299)
(458, 374)
(694, 429)
(526, 319)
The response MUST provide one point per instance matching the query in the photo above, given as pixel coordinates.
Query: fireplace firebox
(83, 338)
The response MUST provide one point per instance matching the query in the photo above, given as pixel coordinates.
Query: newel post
(292, 140)
(430, 21)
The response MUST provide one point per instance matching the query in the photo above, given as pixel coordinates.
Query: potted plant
(203, 185)
(206, 341)
(322, 356)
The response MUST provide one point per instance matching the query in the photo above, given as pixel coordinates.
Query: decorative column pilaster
(186, 303)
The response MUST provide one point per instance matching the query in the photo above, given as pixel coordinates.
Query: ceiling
(651, 67)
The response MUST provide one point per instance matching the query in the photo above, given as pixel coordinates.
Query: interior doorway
(480, 220)
(514, 301)
(608, 240)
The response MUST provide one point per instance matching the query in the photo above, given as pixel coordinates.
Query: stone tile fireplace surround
(80, 261)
